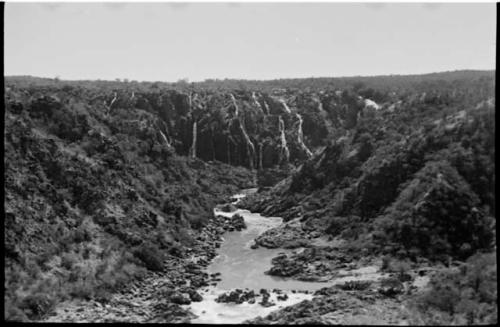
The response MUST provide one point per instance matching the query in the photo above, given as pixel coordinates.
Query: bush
(68, 260)
(37, 305)
(151, 256)
(468, 294)
(355, 285)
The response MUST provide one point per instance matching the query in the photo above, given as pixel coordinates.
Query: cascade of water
(236, 113)
(112, 101)
(267, 107)
(285, 106)
(254, 97)
(250, 146)
(190, 101)
(133, 96)
(284, 147)
(300, 137)
(320, 105)
(165, 139)
(192, 151)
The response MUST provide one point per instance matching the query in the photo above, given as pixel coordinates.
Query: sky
(168, 42)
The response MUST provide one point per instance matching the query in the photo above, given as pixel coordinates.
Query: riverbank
(160, 296)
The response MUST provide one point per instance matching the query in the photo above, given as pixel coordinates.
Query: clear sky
(167, 42)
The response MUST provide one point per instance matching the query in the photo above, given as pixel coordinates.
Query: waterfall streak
(284, 147)
(300, 137)
(267, 107)
(193, 146)
(254, 97)
(113, 101)
(165, 139)
(285, 106)
(250, 146)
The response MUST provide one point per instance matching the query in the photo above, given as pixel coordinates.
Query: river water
(242, 267)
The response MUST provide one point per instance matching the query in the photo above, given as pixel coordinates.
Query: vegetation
(467, 295)
(94, 199)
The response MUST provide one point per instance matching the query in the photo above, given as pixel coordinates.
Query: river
(243, 268)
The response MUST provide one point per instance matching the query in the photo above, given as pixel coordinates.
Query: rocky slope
(94, 200)
(410, 182)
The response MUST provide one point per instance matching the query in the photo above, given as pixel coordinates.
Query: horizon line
(182, 80)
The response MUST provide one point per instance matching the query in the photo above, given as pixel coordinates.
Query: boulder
(228, 207)
(180, 298)
(238, 222)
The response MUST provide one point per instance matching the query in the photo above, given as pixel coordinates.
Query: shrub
(386, 261)
(68, 260)
(150, 255)
(355, 285)
(468, 294)
(36, 306)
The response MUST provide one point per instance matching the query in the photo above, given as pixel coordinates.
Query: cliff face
(248, 129)
(253, 129)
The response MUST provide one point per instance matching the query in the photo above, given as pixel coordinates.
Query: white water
(193, 145)
(285, 106)
(371, 103)
(236, 113)
(284, 146)
(165, 139)
(320, 106)
(254, 97)
(250, 146)
(112, 101)
(300, 137)
(211, 312)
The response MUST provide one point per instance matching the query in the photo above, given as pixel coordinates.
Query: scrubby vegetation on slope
(413, 178)
(94, 200)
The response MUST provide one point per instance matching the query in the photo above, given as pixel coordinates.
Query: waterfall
(192, 150)
(190, 102)
(300, 137)
(235, 105)
(133, 96)
(254, 97)
(165, 139)
(250, 146)
(320, 105)
(112, 101)
(267, 107)
(371, 103)
(285, 106)
(284, 147)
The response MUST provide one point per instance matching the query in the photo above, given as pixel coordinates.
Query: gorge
(324, 201)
